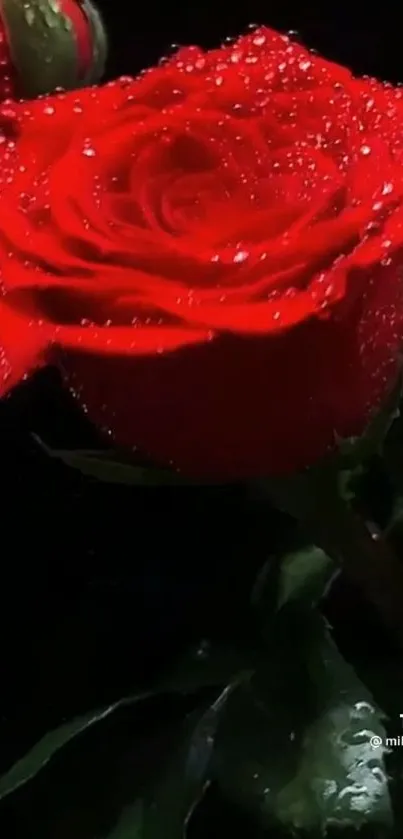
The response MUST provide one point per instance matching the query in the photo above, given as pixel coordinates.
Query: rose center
(218, 184)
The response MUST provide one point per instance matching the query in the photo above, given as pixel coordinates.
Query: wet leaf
(295, 745)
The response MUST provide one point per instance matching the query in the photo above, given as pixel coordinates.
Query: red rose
(212, 254)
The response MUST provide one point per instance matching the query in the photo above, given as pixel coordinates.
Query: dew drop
(203, 650)
(240, 256)
(236, 56)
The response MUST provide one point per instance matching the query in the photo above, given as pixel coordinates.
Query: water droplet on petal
(240, 256)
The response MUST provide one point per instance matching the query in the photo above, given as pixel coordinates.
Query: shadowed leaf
(202, 667)
(45, 749)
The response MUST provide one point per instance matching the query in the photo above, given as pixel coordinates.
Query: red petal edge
(23, 345)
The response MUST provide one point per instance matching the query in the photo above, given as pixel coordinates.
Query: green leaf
(295, 745)
(46, 748)
(304, 576)
(392, 459)
(112, 467)
(395, 525)
(353, 451)
(312, 493)
(164, 811)
(141, 775)
(185, 780)
(201, 667)
(130, 824)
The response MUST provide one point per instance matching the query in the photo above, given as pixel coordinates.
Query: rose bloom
(211, 253)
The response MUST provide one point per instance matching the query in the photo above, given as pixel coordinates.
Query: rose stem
(369, 562)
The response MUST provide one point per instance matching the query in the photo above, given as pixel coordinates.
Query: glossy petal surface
(216, 249)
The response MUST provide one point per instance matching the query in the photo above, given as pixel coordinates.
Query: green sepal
(43, 46)
(354, 451)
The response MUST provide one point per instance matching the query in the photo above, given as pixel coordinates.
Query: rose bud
(46, 44)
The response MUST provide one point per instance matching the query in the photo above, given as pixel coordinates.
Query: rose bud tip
(49, 44)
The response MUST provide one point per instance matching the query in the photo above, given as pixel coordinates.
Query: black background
(100, 585)
(366, 38)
